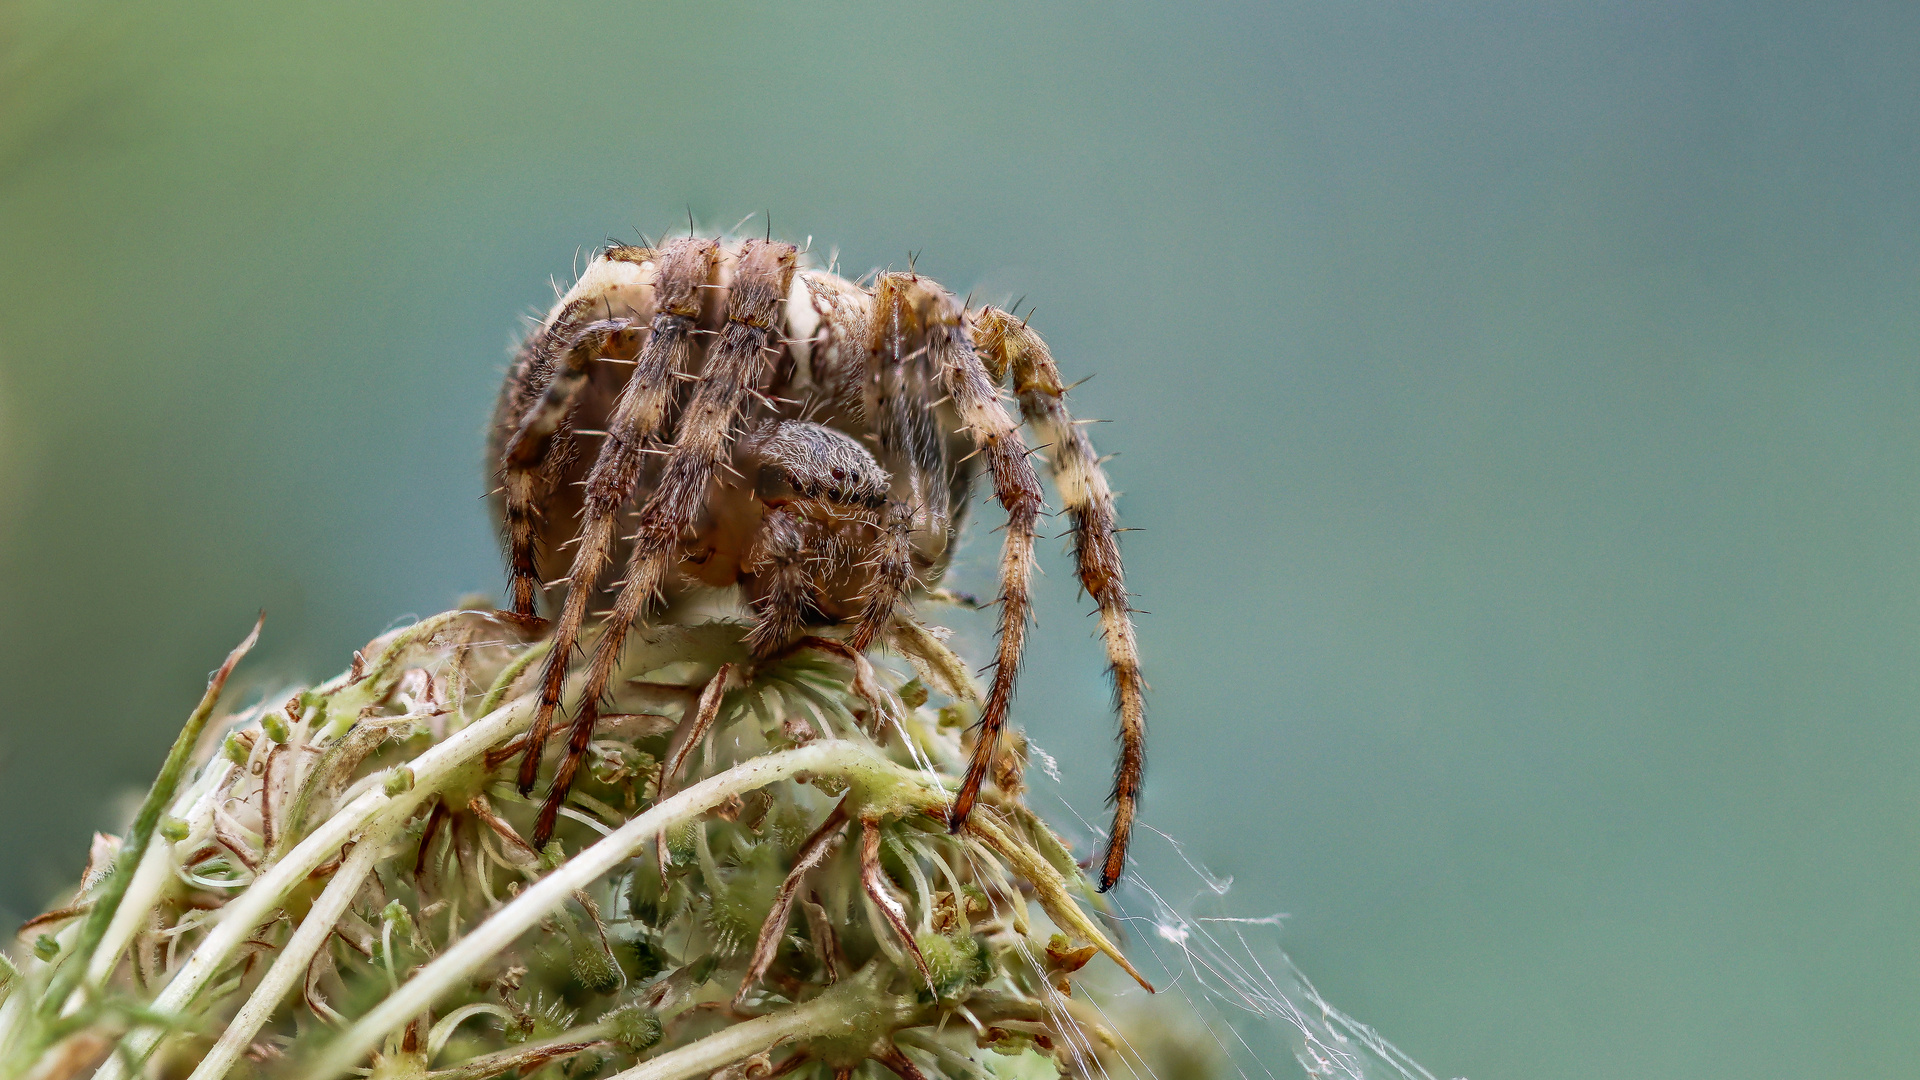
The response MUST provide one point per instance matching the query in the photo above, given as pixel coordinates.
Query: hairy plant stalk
(151, 876)
(841, 1005)
(257, 904)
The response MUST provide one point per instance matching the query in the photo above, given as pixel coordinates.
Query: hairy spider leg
(522, 489)
(899, 372)
(685, 268)
(892, 561)
(1010, 347)
(1017, 488)
(735, 363)
(539, 433)
(525, 489)
(855, 370)
(830, 340)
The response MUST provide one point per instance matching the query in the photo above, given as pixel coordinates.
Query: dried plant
(752, 876)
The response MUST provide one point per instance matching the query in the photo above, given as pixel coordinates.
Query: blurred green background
(1518, 400)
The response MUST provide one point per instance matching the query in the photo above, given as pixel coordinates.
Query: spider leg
(533, 439)
(685, 267)
(855, 372)
(546, 377)
(892, 573)
(900, 373)
(1014, 484)
(735, 363)
(1009, 346)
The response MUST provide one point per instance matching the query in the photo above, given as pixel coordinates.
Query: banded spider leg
(735, 362)
(1010, 348)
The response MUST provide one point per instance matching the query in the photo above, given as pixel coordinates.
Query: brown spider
(810, 439)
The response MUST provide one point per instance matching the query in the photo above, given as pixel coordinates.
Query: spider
(810, 439)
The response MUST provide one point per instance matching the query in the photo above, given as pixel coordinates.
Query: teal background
(1518, 400)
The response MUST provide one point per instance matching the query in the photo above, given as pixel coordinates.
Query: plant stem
(946, 672)
(152, 877)
(853, 1010)
(837, 1008)
(291, 965)
(1050, 889)
(503, 684)
(487, 941)
(144, 824)
(260, 900)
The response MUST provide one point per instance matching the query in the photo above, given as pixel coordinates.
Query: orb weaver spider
(810, 439)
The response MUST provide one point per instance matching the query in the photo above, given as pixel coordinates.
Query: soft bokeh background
(1518, 399)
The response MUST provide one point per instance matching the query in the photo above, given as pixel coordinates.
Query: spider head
(856, 480)
(804, 462)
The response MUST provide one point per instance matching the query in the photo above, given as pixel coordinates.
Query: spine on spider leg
(1009, 346)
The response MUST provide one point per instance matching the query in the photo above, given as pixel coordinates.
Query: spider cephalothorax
(810, 439)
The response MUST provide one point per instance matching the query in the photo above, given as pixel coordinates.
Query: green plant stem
(487, 941)
(139, 837)
(494, 1064)
(261, 899)
(291, 965)
(859, 998)
(857, 1010)
(151, 878)
(503, 684)
(1050, 889)
(942, 670)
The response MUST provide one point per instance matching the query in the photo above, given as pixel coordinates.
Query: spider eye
(839, 474)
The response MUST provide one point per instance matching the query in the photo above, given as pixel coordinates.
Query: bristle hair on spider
(807, 440)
